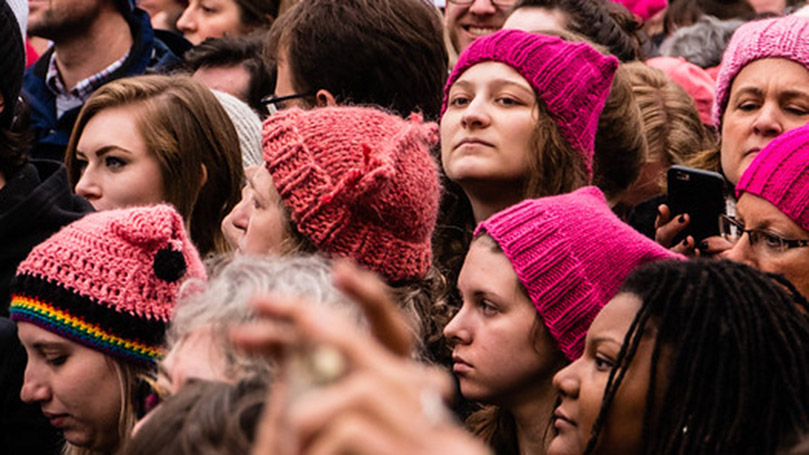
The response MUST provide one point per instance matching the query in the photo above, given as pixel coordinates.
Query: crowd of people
(382, 227)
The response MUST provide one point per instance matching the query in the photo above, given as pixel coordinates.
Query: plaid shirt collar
(85, 87)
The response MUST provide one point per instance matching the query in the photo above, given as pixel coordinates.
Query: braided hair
(738, 364)
(602, 23)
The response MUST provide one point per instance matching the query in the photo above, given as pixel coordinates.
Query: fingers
(370, 293)
(713, 246)
(667, 230)
(686, 247)
(272, 431)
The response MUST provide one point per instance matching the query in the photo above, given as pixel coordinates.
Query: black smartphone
(701, 195)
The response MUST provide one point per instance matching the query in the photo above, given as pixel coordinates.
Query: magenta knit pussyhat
(572, 254)
(572, 79)
(108, 281)
(359, 183)
(783, 37)
(780, 175)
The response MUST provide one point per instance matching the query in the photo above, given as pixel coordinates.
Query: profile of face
(117, 170)
(488, 126)
(258, 222)
(581, 387)
(759, 214)
(535, 18)
(211, 19)
(55, 19)
(501, 350)
(468, 20)
(767, 98)
(77, 388)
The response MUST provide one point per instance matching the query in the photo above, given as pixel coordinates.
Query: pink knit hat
(644, 9)
(109, 280)
(359, 183)
(783, 37)
(693, 79)
(573, 79)
(572, 254)
(780, 175)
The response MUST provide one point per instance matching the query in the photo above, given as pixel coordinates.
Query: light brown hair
(193, 140)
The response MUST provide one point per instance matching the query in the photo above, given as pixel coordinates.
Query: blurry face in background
(466, 23)
(117, 170)
(535, 18)
(768, 6)
(233, 80)
(57, 19)
(767, 98)
(211, 19)
(77, 388)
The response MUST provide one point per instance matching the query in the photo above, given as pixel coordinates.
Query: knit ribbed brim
(572, 254)
(780, 175)
(573, 79)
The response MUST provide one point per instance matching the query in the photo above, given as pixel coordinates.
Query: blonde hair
(191, 137)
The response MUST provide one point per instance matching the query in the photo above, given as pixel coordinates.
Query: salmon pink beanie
(108, 281)
(780, 175)
(783, 37)
(359, 183)
(572, 254)
(572, 79)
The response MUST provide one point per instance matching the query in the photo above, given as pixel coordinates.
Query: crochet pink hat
(572, 254)
(693, 79)
(359, 183)
(109, 280)
(780, 175)
(643, 9)
(573, 79)
(783, 37)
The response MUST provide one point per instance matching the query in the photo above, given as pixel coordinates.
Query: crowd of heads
(402, 226)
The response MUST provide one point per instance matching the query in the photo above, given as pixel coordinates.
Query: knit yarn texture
(108, 281)
(572, 254)
(572, 79)
(248, 127)
(780, 175)
(783, 37)
(359, 183)
(13, 17)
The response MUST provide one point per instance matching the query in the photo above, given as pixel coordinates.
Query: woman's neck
(487, 204)
(532, 413)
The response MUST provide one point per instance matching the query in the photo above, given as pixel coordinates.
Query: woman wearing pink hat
(535, 277)
(762, 91)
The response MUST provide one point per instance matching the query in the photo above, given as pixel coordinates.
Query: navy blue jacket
(147, 55)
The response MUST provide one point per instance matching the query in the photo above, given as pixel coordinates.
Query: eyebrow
(43, 345)
(104, 150)
(500, 82)
(607, 340)
(788, 94)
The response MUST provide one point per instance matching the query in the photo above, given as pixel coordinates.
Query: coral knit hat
(572, 79)
(780, 175)
(108, 281)
(359, 183)
(572, 254)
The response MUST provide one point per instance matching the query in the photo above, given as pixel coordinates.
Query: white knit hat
(248, 127)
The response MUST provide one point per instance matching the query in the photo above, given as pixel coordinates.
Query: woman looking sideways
(91, 305)
(683, 361)
(152, 139)
(204, 19)
(535, 277)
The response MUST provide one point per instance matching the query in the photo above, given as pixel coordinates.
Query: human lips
(473, 141)
(56, 420)
(561, 419)
(480, 30)
(459, 365)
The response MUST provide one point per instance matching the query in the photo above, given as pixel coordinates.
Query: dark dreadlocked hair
(737, 376)
(606, 23)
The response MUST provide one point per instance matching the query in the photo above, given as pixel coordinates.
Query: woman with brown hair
(153, 139)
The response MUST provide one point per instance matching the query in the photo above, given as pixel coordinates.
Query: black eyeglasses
(500, 3)
(762, 242)
(274, 103)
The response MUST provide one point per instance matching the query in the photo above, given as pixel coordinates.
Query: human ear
(325, 98)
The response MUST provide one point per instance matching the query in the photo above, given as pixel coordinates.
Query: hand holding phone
(700, 194)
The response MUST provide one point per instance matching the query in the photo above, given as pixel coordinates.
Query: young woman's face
(117, 170)
(211, 19)
(257, 224)
(767, 98)
(487, 129)
(757, 213)
(500, 349)
(77, 388)
(581, 387)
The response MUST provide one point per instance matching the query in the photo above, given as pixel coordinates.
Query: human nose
(88, 187)
(769, 121)
(475, 115)
(34, 388)
(482, 7)
(457, 330)
(186, 21)
(742, 252)
(566, 381)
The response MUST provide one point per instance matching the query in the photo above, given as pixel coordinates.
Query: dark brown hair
(193, 140)
(388, 53)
